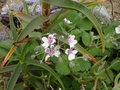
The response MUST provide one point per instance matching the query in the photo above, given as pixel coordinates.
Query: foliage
(66, 50)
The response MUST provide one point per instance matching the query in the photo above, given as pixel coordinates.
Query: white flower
(71, 53)
(52, 51)
(117, 29)
(71, 41)
(67, 21)
(48, 41)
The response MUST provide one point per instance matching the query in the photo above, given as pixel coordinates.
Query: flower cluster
(71, 52)
(117, 29)
(49, 46)
(51, 49)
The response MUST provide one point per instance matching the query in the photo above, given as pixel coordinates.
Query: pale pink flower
(52, 51)
(67, 21)
(117, 29)
(71, 41)
(71, 53)
(50, 40)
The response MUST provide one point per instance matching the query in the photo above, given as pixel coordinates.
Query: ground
(116, 8)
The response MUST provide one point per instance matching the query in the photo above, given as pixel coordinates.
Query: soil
(113, 7)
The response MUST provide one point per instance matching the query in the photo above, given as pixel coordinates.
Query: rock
(102, 14)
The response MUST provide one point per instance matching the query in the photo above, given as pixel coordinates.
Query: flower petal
(46, 58)
(45, 45)
(74, 51)
(57, 53)
(66, 51)
(117, 29)
(44, 39)
(71, 56)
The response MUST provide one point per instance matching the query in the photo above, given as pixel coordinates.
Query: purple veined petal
(45, 45)
(72, 45)
(74, 51)
(44, 39)
(57, 53)
(51, 39)
(71, 41)
(71, 56)
(67, 51)
(47, 50)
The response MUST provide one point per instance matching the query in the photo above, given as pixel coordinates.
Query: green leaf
(46, 67)
(22, 16)
(35, 83)
(81, 8)
(57, 21)
(67, 82)
(12, 26)
(19, 86)
(4, 51)
(6, 44)
(75, 85)
(8, 69)
(77, 33)
(75, 65)
(84, 65)
(115, 64)
(110, 28)
(35, 34)
(106, 78)
(95, 51)
(85, 24)
(37, 21)
(14, 77)
(86, 39)
(62, 68)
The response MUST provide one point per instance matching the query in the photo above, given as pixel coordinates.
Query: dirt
(113, 8)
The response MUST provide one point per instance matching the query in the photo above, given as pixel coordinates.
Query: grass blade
(8, 68)
(14, 77)
(46, 67)
(37, 21)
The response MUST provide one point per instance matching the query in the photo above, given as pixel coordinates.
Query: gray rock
(102, 14)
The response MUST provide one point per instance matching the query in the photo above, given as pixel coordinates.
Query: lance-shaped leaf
(8, 69)
(14, 77)
(28, 29)
(22, 16)
(37, 21)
